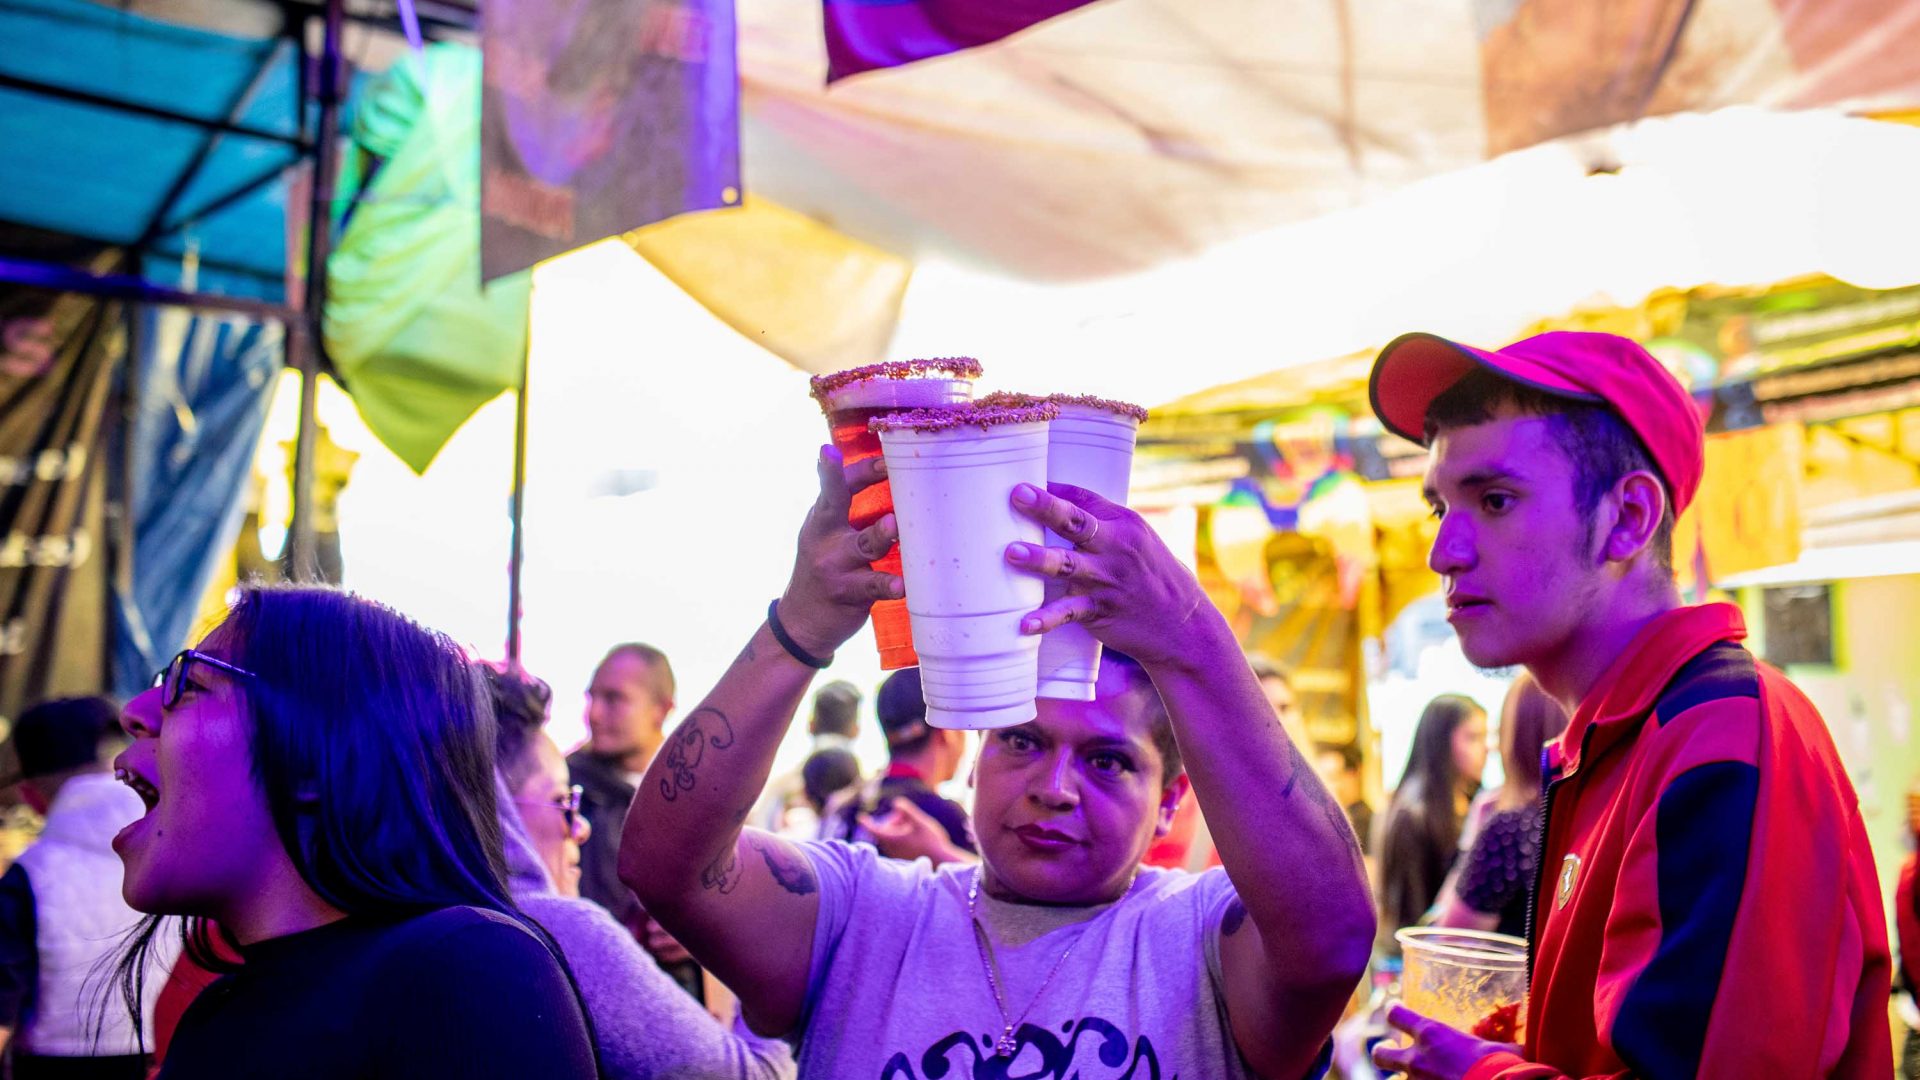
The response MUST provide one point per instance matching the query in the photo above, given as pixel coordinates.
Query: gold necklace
(1005, 1045)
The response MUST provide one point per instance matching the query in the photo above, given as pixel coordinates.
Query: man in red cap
(1707, 903)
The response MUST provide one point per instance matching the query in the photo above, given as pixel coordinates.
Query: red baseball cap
(1607, 369)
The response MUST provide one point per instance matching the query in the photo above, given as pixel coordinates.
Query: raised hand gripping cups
(1089, 445)
(953, 472)
(852, 398)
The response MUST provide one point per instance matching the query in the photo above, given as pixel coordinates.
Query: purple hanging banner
(866, 34)
(601, 116)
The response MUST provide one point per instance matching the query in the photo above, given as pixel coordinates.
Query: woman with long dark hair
(1420, 834)
(318, 774)
(647, 1026)
(1497, 874)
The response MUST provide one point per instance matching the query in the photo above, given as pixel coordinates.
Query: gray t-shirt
(896, 989)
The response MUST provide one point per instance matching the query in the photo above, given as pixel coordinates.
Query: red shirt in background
(1906, 921)
(183, 985)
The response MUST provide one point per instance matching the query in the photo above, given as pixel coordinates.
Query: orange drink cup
(853, 398)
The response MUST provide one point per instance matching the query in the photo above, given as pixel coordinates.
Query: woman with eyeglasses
(645, 1024)
(318, 775)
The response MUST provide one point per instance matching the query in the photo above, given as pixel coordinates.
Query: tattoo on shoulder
(788, 867)
(723, 873)
(1234, 918)
(707, 728)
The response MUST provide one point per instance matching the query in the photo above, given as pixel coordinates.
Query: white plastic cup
(952, 486)
(1088, 446)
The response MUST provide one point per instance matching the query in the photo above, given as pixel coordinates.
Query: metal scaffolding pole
(303, 562)
(517, 558)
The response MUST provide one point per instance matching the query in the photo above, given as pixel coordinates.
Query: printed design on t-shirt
(1039, 1054)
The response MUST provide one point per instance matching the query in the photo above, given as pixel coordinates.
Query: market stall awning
(1133, 132)
(147, 134)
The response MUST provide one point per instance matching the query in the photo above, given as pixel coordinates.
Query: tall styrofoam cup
(953, 472)
(1089, 445)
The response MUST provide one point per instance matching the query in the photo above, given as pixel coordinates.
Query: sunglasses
(568, 805)
(171, 680)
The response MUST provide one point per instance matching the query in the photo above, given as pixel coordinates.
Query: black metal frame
(227, 126)
(322, 88)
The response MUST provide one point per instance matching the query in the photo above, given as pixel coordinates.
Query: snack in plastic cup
(1464, 977)
(1089, 445)
(953, 472)
(852, 398)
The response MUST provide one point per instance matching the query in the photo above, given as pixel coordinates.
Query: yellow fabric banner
(1748, 515)
(818, 299)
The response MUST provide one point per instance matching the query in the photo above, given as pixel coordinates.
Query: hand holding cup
(1435, 1051)
(833, 586)
(1121, 581)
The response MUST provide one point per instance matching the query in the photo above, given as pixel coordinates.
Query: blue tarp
(122, 178)
(205, 385)
(169, 190)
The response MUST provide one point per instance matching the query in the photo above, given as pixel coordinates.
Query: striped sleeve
(1685, 870)
(1702, 829)
(1683, 876)
(1665, 956)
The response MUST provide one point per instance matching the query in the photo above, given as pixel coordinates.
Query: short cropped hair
(1171, 765)
(1350, 756)
(64, 734)
(1596, 441)
(659, 677)
(836, 709)
(827, 772)
(1264, 669)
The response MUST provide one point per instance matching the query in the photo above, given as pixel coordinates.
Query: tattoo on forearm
(1234, 918)
(1330, 809)
(787, 868)
(706, 729)
(1295, 765)
(723, 873)
(1338, 821)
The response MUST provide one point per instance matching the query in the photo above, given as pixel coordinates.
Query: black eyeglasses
(171, 680)
(568, 805)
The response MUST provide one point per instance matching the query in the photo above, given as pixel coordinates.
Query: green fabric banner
(416, 339)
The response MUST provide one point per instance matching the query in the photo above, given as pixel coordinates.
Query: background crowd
(1443, 850)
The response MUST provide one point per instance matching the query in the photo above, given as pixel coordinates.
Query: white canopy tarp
(1131, 132)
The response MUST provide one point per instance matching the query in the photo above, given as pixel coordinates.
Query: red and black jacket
(1707, 903)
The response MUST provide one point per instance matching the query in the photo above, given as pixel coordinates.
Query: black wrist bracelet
(787, 643)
